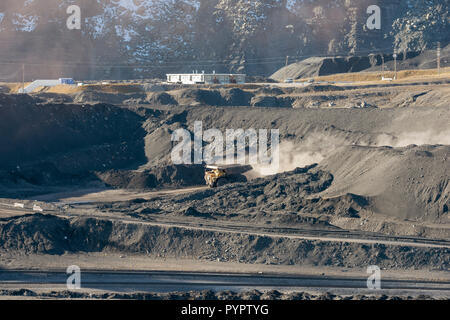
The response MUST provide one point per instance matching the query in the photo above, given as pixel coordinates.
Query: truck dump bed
(231, 168)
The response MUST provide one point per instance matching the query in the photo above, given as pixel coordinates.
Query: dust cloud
(404, 139)
(318, 147)
(300, 154)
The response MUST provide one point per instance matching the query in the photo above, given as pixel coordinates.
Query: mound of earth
(161, 98)
(423, 60)
(273, 91)
(47, 234)
(282, 195)
(39, 174)
(232, 97)
(152, 87)
(194, 97)
(407, 183)
(322, 66)
(156, 177)
(92, 97)
(271, 102)
(438, 98)
(205, 295)
(66, 139)
(8, 100)
(53, 98)
(35, 233)
(4, 89)
(319, 130)
(236, 97)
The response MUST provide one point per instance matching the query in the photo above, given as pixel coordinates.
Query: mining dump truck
(220, 175)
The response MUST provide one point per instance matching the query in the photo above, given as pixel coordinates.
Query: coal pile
(35, 234)
(161, 98)
(236, 97)
(32, 132)
(40, 174)
(271, 102)
(46, 144)
(93, 97)
(8, 100)
(274, 91)
(263, 97)
(155, 177)
(279, 194)
(199, 97)
(53, 98)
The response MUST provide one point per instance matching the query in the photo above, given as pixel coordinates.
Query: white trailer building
(205, 78)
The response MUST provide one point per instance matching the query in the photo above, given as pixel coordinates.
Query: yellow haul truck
(220, 175)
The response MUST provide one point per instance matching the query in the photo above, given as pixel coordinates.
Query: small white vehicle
(289, 80)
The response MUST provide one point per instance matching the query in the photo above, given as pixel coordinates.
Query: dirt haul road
(140, 281)
(87, 196)
(87, 205)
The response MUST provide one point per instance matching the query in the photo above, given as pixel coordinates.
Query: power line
(250, 61)
(23, 78)
(148, 65)
(11, 76)
(439, 58)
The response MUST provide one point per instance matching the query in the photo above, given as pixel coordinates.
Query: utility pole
(382, 65)
(395, 66)
(287, 60)
(23, 78)
(439, 58)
